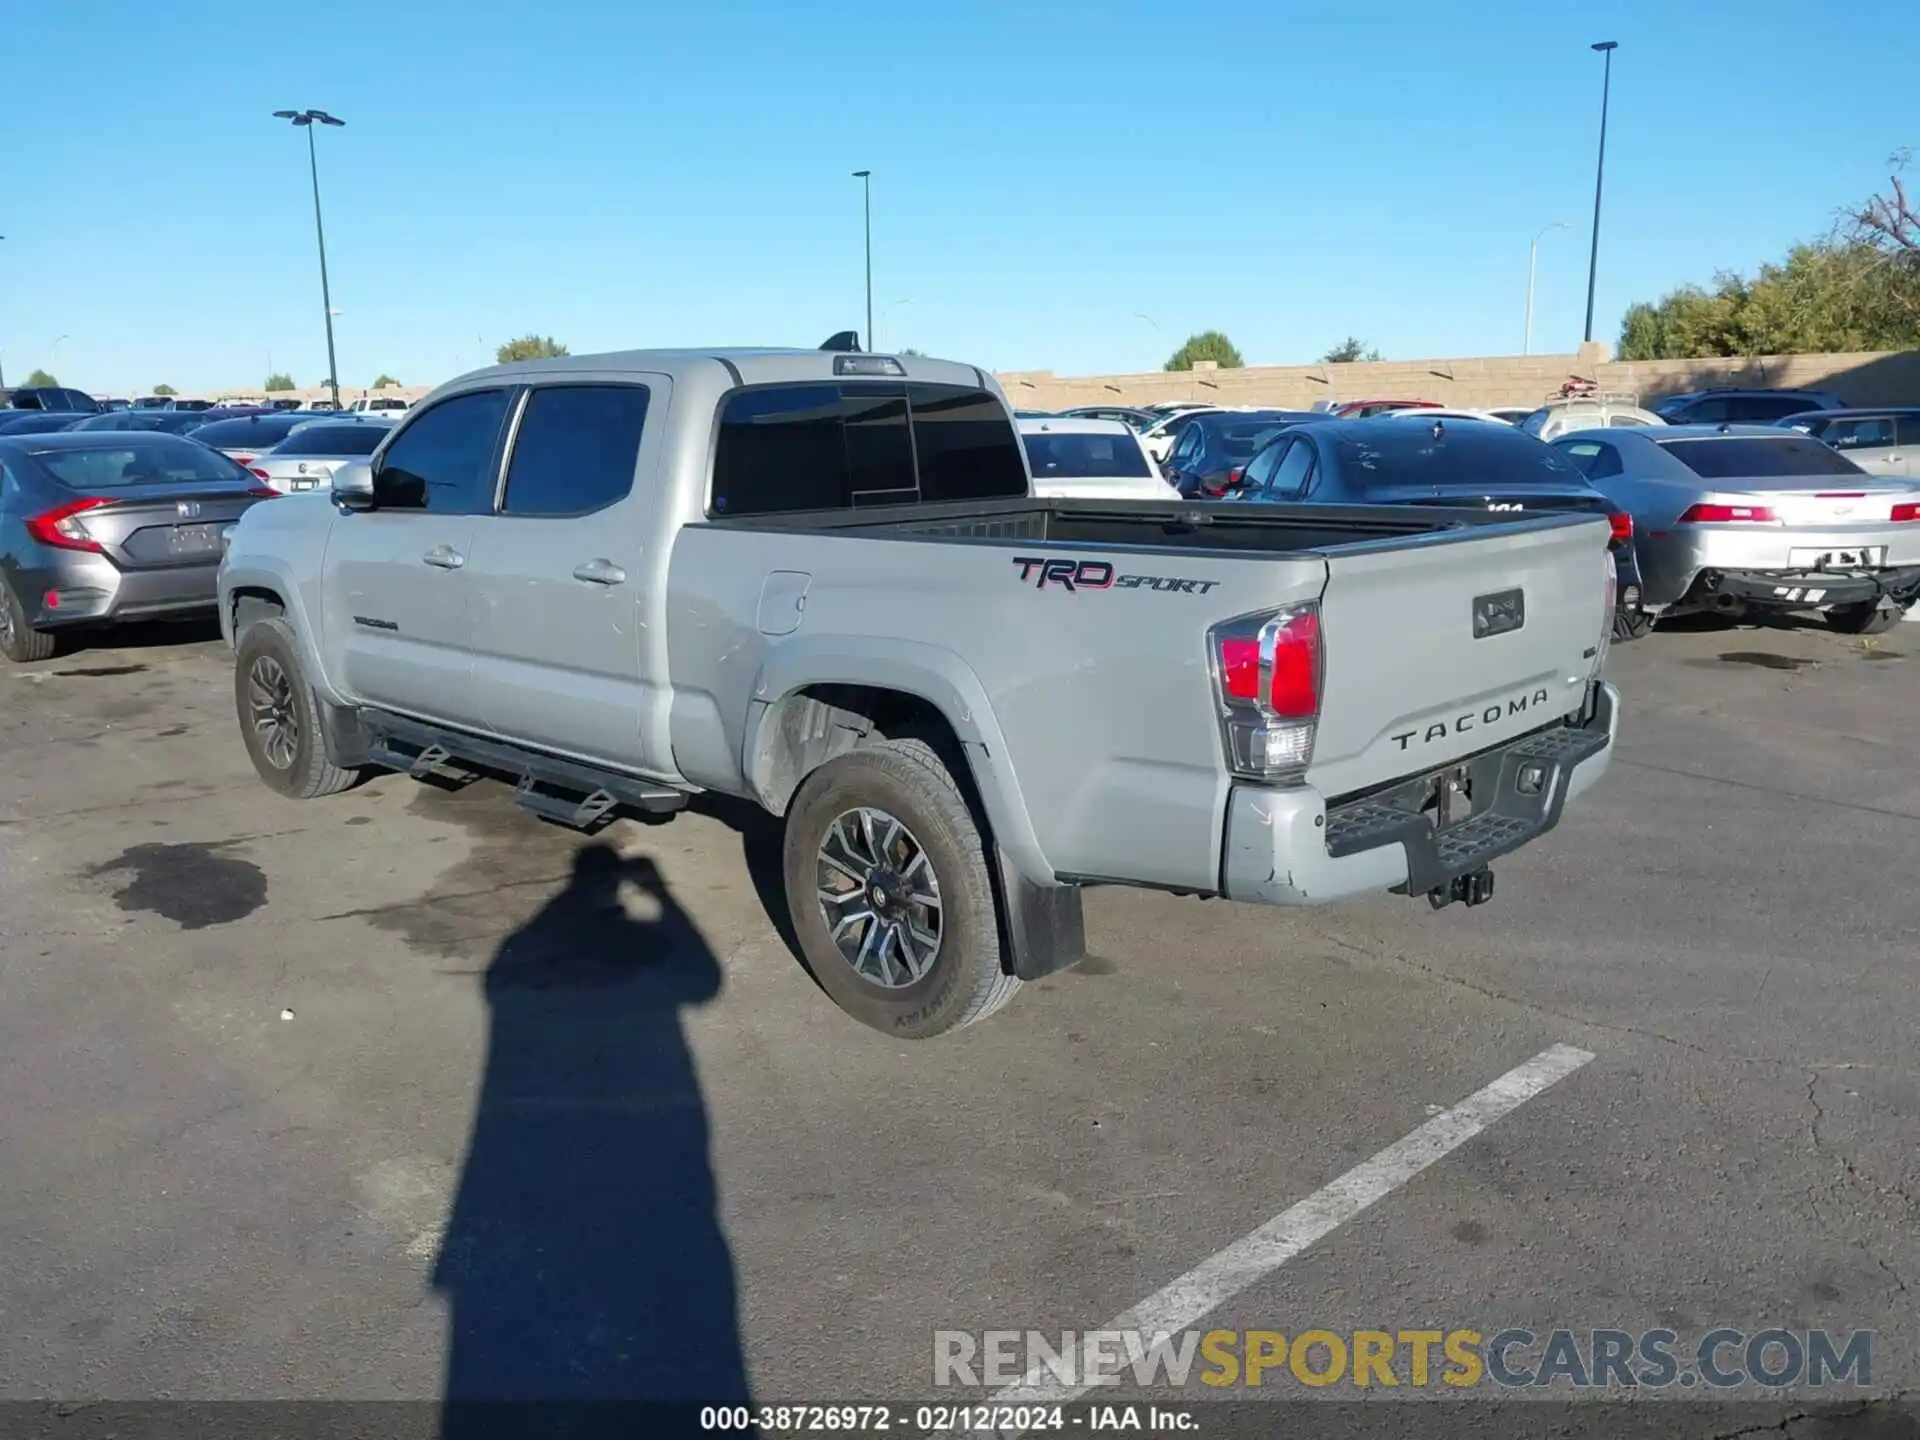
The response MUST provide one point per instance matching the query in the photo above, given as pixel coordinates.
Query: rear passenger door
(559, 571)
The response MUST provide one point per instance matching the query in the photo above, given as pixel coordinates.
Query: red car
(1366, 409)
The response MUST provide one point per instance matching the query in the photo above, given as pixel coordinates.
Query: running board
(567, 792)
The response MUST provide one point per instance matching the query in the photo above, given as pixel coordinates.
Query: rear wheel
(1631, 625)
(890, 893)
(279, 716)
(20, 642)
(1869, 617)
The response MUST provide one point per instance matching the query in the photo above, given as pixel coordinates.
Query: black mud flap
(1045, 926)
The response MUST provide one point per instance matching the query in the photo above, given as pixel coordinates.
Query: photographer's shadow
(583, 1258)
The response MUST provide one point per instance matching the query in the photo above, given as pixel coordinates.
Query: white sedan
(1091, 460)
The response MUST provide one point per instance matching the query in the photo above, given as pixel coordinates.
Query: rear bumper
(1798, 589)
(1286, 847)
(1677, 561)
(91, 590)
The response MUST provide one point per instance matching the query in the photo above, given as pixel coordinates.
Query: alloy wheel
(270, 704)
(880, 897)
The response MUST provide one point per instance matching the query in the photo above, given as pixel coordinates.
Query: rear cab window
(841, 445)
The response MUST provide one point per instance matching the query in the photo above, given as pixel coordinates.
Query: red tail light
(1268, 669)
(1728, 515)
(1233, 477)
(1906, 512)
(246, 460)
(256, 470)
(1622, 524)
(62, 527)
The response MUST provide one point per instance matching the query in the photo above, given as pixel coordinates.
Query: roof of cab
(750, 365)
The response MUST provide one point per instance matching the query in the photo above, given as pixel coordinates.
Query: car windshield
(336, 438)
(1468, 452)
(140, 461)
(1067, 456)
(1754, 457)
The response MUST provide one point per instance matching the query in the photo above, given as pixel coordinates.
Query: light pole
(1606, 48)
(306, 120)
(865, 177)
(1533, 258)
(3, 368)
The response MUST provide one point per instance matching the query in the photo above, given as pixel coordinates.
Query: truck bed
(1272, 530)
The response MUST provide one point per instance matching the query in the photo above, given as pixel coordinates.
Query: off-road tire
(968, 979)
(19, 642)
(308, 774)
(1869, 617)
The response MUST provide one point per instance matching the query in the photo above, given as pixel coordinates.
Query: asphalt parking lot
(404, 1089)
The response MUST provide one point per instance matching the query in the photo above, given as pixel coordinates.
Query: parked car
(52, 397)
(820, 581)
(151, 402)
(1591, 411)
(1885, 441)
(1512, 414)
(36, 422)
(1367, 409)
(1751, 518)
(1212, 446)
(174, 402)
(240, 438)
(1476, 463)
(388, 405)
(96, 528)
(284, 402)
(1159, 436)
(1091, 460)
(113, 403)
(308, 458)
(1131, 416)
(154, 422)
(1731, 405)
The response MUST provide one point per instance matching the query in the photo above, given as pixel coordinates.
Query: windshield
(143, 461)
(1238, 442)
(1083, 457)
(333, 439)
(1754, 457)
(1467, 453)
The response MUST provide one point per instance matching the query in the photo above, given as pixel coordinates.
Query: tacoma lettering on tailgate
(1460, 724)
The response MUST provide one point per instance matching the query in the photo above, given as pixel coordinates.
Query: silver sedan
(307, 458)
(1750, 518)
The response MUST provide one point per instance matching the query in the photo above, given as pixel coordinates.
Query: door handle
(444, 557)
(599, 572)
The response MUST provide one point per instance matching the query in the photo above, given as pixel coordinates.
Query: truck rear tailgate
(1445, 645)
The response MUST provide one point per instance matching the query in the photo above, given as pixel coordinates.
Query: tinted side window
(442, 460)
(1260, 469)
(1907, 430)
(966, 445)
(1863, 431)
(1290, 480)
(576, 449)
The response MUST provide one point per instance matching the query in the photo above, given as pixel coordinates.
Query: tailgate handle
(1498, 613)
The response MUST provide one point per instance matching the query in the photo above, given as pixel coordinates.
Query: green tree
(1207, 345)
(384, 381)
(165, 390)
(1349, 350)
(39, 378)
(529, 347)
(279, 380)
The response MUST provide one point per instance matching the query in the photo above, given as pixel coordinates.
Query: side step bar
(564, 791)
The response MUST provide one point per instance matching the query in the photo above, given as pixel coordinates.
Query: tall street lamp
(306, 120)
(3, 369)
(865, 177)
(1606, 48)
(1533, 258)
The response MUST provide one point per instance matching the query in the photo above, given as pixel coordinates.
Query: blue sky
(634, 174)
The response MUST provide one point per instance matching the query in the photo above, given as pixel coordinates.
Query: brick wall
(1866, 379)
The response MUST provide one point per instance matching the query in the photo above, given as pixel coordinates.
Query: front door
(560, 578)
(397, 625)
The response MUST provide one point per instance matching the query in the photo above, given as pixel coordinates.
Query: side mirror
(353, 486)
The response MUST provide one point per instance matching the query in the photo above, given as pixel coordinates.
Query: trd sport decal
(1074, 576)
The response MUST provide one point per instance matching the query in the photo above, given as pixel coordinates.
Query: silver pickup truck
(819, 580)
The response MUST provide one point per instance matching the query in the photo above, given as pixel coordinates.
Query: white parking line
(1220, 1277)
